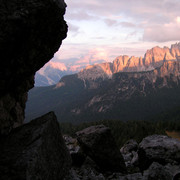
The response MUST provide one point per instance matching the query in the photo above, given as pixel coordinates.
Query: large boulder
(31, 31)
(98, 143)
(35, 151)
(157, 172)
(158, 148)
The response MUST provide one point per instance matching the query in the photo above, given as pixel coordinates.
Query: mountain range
(128, 88)
(53, 71)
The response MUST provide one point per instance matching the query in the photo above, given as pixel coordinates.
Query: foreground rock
(98, 143)
(88, 171)
(157, 172)
(130, 155)
(158, 148)
(35, 151)
(77, 156)
(129, 146)
(31, 31)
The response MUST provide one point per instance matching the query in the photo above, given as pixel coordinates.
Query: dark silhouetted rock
(157, 172)
(77, 156)
(98, 143)
(177, 176)
(129, 146)
(88, 171)
(134, 176)
(31, 31)
(35, 151)
(130, 155)
(158, 148)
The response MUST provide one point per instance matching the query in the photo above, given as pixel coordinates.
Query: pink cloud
(94, 55)
(162, 33)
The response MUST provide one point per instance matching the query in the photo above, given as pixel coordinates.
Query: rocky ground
(95, 157)
(34, 151)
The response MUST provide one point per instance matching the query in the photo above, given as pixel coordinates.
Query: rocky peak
(175, 49)
(157, 55)
(120, 63)
(94, 72)
(153, 58)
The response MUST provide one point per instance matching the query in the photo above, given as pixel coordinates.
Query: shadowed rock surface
(89, 169)
(130, 155)
(98, 143)
(35, 151)
(77, 156)
(159, 148)
(31, 31)
(129, 146)
(157, 172)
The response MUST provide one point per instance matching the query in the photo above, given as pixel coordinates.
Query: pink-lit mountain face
(53, 71)
(154, 58)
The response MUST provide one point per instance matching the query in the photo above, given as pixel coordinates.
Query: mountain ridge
(53, 71)
(93, 94)
(153, 58)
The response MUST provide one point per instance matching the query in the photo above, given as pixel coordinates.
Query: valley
(127, 89)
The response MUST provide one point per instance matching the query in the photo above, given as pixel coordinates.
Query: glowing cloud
(178, 19)
(94, 55)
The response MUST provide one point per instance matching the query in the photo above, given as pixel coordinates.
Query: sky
(110, 28)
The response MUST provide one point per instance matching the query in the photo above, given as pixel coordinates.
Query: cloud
(127, 24)
(72, 27)
(136, 11)
(130, 8)
(80, 15)
(113, 25)
(132, 34)
(110, 22)
(98, 37)
(163, 33)
(94, 55)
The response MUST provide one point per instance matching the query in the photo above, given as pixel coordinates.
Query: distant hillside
(164, 123)
(108, 91)
(52, 72)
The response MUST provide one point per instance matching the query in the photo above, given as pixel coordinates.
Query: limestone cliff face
(153, 58)
(128, 64)
(31, 31)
